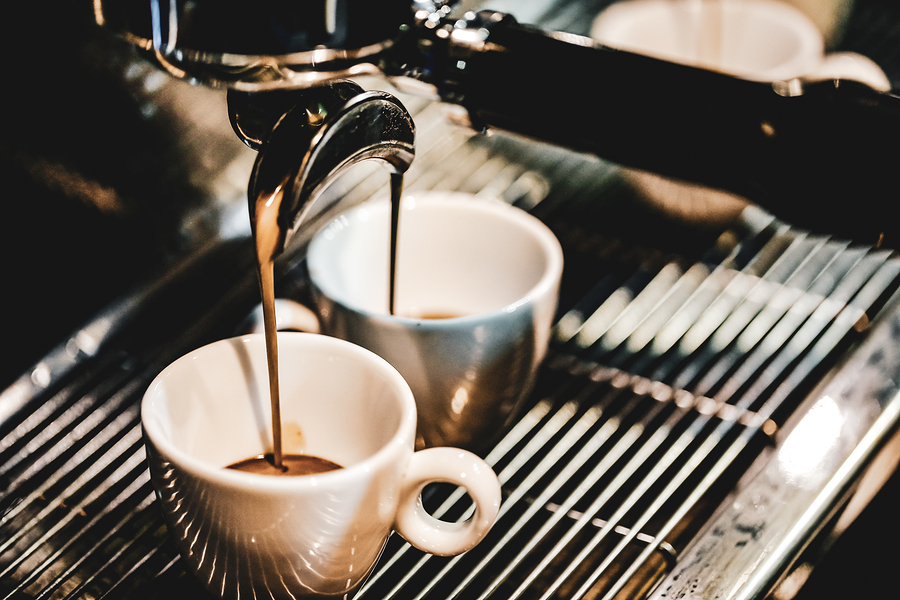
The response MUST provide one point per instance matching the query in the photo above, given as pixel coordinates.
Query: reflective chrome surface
(816, 465)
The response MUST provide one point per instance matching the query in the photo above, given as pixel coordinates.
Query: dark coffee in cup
(293, 465)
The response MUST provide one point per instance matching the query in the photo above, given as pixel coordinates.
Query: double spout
(307, 137)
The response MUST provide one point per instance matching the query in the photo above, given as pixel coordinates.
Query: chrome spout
(307, 137)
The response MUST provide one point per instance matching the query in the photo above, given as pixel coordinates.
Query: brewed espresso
(436, 315)
(292, 465)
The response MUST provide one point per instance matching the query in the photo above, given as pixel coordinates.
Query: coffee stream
(396, 192)
(269, 238)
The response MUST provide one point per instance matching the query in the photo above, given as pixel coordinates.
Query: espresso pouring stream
(327, 130)
(267, 232)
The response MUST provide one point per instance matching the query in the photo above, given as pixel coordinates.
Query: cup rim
(385, 455)
(540, 231)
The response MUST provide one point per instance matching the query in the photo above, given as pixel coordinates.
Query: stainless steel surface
(817, 462)
(613, 469)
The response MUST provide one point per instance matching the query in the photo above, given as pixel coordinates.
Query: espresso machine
(777, 145)
(719, 407)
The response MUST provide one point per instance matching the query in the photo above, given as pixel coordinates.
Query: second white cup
(476, 296)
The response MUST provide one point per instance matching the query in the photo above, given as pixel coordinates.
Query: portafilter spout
(307, 137)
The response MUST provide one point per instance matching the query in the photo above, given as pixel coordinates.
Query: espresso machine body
(779, 144)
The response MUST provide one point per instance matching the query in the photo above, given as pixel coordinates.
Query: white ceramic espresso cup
(761, 40)
(494, 268)
(248, 535)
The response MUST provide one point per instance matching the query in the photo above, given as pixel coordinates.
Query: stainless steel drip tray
(618, 485)
(662, 452)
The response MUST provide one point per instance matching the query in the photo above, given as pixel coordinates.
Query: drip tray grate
(587, 474)
(612, 472)
(669, 372)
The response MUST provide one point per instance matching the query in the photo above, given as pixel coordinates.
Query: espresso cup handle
(289, 315)
(454, 466)
(853, 66)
